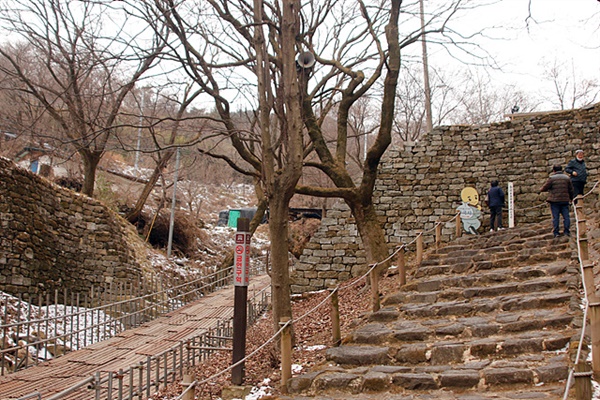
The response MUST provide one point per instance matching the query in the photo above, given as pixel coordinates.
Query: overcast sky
(565, 31)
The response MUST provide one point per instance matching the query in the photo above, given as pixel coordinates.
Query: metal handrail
(153, 305)
(147, 374)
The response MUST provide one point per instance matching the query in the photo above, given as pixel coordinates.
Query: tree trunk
(280, 274)
(372, 234)
(139, 205)
(90, 164)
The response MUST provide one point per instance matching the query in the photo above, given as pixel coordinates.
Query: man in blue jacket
(495, 202)
(576, 168)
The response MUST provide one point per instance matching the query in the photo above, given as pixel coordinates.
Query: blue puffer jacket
(577, 166)
(495, 196)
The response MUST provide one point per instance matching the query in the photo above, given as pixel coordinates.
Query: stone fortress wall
(420, 184)
(52, 238)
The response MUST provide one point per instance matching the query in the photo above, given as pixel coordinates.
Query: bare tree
(78, 76)
(570, 90)
(236, 40)
(242, 54)
(164, 149)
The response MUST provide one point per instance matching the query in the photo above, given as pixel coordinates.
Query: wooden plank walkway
(127, 348)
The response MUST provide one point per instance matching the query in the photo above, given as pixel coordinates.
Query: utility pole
(139, 137)
(173, 202)
(428, 116)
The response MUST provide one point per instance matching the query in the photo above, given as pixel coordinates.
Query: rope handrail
(341, 286)
(585, 302)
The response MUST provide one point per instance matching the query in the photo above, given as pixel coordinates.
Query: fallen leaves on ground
(312, 333)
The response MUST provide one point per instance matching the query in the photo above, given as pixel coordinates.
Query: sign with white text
(241, 265)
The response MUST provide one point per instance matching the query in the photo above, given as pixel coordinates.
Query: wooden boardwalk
(126, 349)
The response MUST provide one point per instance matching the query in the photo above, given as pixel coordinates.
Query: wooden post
(402, 266)
(588, 280)
(578, 203)
(286, 353)
(458, 226)
(583, 249)
(419, 248)
(583, 381)
(594, 309)
(190, 394)
(374, 278)
(438, 235)
(582, 227)
(335, 318)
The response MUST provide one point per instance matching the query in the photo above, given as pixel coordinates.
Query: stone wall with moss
(53, 238)
(420, 184)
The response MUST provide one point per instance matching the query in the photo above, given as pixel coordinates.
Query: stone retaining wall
(53, 238)
(420, 184)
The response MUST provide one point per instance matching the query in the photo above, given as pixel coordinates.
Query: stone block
(521, 346)
(300, 383)
(376, 381)
(374, 333)
(410, 332)
(464, 378)
(509, 375)
(411, 353)
(483, 348)
(447, 354)
(552, 373)
(358, 355)
(412, 381)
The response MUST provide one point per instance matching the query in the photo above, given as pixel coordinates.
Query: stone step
(476, 375)
(449, 353)
(558, 271)
(454, 269)
(467, 287)
(473, 306)
(552, 250)
(461, 328)
(492, 312)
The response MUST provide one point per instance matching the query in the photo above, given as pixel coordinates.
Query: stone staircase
(488, 316)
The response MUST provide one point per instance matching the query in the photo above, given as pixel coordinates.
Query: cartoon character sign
(470, 210)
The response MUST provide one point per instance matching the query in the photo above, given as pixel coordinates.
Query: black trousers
(495, 217)
(578, 188)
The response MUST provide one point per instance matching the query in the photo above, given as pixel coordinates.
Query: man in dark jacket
(576, 168)
(495, 199)
(560, 195)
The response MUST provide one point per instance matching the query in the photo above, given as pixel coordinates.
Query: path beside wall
(420, 183)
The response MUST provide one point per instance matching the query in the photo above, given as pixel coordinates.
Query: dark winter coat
(495, 196)
(559, 188)
(577, 166)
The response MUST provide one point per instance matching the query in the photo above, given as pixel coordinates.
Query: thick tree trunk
(372, 234)
(90, 165)
(280, 272)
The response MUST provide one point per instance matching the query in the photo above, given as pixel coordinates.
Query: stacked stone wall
(53, 238)
(419, 185)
